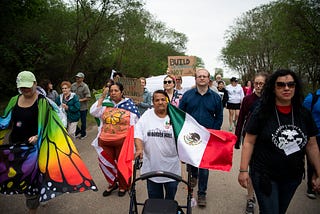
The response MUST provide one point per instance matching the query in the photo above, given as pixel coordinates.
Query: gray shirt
(82, 91)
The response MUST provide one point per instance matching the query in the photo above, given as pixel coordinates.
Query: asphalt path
(224, 194)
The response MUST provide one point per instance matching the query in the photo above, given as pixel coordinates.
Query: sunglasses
(284, 84)
(167, 82)
(259, 84)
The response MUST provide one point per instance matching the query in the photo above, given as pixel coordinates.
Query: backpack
(315, 98)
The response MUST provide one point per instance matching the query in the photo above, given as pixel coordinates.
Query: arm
(139, 148)
(96, 110)
(246, 153)
(147, 102)
(87, 96)
(225, 98)
(314, 157)
(218, 114)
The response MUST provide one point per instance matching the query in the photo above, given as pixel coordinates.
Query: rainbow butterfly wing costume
(51, 167)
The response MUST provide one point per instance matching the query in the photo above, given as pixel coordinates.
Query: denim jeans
(202, 175)
(83, 118)
(281, 194)
(155, 190)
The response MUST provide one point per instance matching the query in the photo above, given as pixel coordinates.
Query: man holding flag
(205, 106)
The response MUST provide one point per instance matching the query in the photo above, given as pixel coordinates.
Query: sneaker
(250, 206)
(83, 137)
(193, 182)
(78, 136)
(202, 202)
(311, 194)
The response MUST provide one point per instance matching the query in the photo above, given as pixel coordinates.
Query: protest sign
(181, 65)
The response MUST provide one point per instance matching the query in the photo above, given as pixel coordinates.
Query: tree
(280, 34)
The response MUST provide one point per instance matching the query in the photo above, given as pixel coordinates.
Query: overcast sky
(204, 22)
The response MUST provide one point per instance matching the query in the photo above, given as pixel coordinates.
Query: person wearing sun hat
(25, 79)
(83, 92)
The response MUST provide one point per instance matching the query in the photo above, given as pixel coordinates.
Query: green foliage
(55, 39)
(284, 33)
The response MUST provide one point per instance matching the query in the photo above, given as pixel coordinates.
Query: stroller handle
(161, 174)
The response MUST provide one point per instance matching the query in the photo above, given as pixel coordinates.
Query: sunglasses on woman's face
(285, 84)
(167, 82)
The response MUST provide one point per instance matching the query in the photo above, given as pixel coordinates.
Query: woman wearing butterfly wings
(116, 114)
(31, 161)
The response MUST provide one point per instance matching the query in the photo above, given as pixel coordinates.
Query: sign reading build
(182, 65)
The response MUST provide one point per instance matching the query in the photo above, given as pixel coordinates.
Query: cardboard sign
(182, 65)
(132, 88)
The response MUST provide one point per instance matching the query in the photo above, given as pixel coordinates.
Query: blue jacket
(205, 109)
(316, 108)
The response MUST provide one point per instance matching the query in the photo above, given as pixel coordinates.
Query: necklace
(292, 118)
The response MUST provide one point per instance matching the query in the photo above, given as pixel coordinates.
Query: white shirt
(159, 151)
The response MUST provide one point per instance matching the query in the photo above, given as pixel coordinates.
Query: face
(220, 86)
(258, 84)
(28, 92)
(284, 89)
(143, 83)
(108, 84)
(179, 80)
(115, 93)
(65, 90)
(218, 77)
(168, 83)
(50, 86)
(160, 102)
(202, 77)
(234, 83)
(79, 79)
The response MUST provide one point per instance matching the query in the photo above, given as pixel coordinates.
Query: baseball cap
(80, 74)
(25, 79)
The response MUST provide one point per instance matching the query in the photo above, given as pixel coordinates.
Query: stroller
(158, 206)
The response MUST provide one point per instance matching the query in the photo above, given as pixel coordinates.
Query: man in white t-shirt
(155, 143)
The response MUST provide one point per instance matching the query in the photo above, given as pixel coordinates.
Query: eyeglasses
(259, 84)
(284, 84)
(178, 79)
(167, 82)
(202, 76)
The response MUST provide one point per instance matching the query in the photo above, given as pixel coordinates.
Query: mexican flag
(201, 147)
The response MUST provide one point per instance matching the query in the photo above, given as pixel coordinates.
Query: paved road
(225, 196)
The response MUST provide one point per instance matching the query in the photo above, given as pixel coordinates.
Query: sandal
(122, 193)
(110, 190)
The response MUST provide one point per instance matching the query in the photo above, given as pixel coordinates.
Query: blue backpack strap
(315, 98)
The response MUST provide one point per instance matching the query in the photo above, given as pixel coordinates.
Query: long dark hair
(268, 94)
